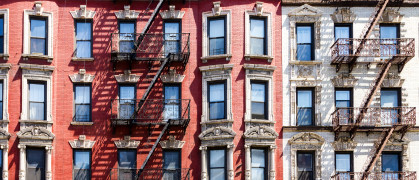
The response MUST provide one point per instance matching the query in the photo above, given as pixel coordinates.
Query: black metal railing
(150, 174)
(408, 175)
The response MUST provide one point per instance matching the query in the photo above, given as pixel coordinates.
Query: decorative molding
(38, 8)
(4, 135)
(127, 143)
(344, 144)
(82, 77)
(217, 133)
(344, 80)
(258, 8)
(35, 67)
(392, 80)
(127, 13)
(260, 132)
(307, 138)
(312, 83)
(4, 76)
(391, 15)
(172, 77)
(83, 13)
(127, 77)
(5, 14)
(172, 13)
(35, 133)
(172, 143)
(396, 143)
(216, 10)
(258, 11)
(343, 15)
(82, 143)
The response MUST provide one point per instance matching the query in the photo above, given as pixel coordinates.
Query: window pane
(304, 98)
(257, 46)
(1, 91)
(83, 94)
(36, 111)
(38, 28)
(217, 158)
(171, 92)
(390, 162)
(81, 174)
(126, 27)
(126, 46)
(216, 92)
(171, 160)
(1, 45)
(257, 28)
(258, 174)
(82, 112)
(389, 98)
(216, 28)
(304, 34)
(127, 159)
(216, 110)
(258, 158)
(258, 108)
(171, 27)
(81, 159)
(38, 46)
(216, 46)
(1, 26)
(84, 49)
(343, 95)
(305, 161)
(127, 92)
(388, 32)
(35, 159)
(304, 52)
(258, 92)
(84, 31)
(342, 32)
(342, 104)
(343, 162)
(1, 157)
(304, 116)
(217, 174)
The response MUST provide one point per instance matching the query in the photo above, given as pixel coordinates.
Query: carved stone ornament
(307, 138)
(35, 133)
(259, 8)
(172, 143)
(305, 14)
(127, 143)
(391, 15)
(392, 80)
(172, 77)
(4, 134)
(38, 8)
(217, 133)
(83, 13)
(217, 8)
(82, 77)
(260, 132)
(344, 144)
(127, 13)
(82, 143)
(172, 13)
(305, 10)
(343, 15)
(344, 80)
(127, 77)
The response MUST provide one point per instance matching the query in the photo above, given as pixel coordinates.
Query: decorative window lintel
(127, 13)
(172, 13)
(82, 77)
(126, 143)
(82, 143)
(83, 13)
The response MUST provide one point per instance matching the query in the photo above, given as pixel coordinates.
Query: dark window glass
(259, 164)
(258, 36)
(343, 99)
(1, 35)
(172, 101)
(216, 36)
(127, 160)
(81, 164)
(126, 101)
(38, 35)
(388, 35)
(84, 39)
(37, 101)
(1, 99)
(172, 37)
(344, 31)
(305, 107)
(1, 161)
(305, 44)
(82, 103)
(35, 158)
(126, 36)
(171, 165)
(217, 164)
(217, 100)
(305, 165)
(259, 103)
(391, 165)
(390, 100)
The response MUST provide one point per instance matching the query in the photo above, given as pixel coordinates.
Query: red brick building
(83, 97)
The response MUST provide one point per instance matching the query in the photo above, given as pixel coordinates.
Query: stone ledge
(37, 56)
(6, 121)
(82, 59)
(247, 57)
(216, 67)
(308, 128)
(305, 62)
(36, 67)
(4, 56)
(218, 121)
(36, 121)
(81, 123)
(219, 56)
(259, 67)
(265, 121)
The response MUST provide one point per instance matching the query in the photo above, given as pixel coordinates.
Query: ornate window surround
(81, 143)
(343, 15)
(38, 10)
(5, 14)
(22, 159)
(127, 77)
(4, 76)
(216, 11)
(258, 12)
(304, 14)
(396, 144)
(126, 143)
(82, 78)
(82, 13)
(127, 13)
(172, 143)
(172, 13)
(306, 141)
(204, 161)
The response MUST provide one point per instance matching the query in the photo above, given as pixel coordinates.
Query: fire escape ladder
(378, 149)
(163, 131)
(366, 32)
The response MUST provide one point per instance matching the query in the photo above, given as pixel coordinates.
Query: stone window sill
(36, 121)
(4, 56)
(305, 62)
(75, 123)
(247, 57)
(266, 121)
(218, 121)
(219, 56)
(6, 121)
(82, 59)
(37, 56)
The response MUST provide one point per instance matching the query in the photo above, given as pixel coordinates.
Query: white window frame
(217, 11)
(5, 14)
(79, 14)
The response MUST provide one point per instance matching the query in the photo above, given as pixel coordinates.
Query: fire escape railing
(406, 175)
(150, 174)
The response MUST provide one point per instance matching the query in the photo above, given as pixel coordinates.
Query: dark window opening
(127, 99)
(258, 43)
(126, 36)
(35, 158)
(259, 96)
(305, 165)
(39, 35)
(216, 35)
(305, 106)
(217, 164)
(217, 100)
(305, 42)
(81, 164)
(82, 103)
(84, 39)
(37, 100)
(171, 165)
(127, 163)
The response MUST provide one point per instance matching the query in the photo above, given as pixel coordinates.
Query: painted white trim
(5, 14)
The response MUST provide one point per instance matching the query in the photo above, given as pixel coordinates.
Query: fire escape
(159, 52)
(390, 52)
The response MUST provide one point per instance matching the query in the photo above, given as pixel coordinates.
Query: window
(127, 160)
(1, 34)
(1, 99)
(390, 101)
(305, 42)
(37, 100)
(82, 103)
(305, 101)
(217, 164)
(127, 95)
(305, 165)
(343, 99)
(172, 37)
(171, 165)
(388, 35)
(258, 36)
(172, 101)
(84, 39)
(126, 36)
(216, 35)
(35, 158)
(217, 100)
(81, 164)
(390, 165)
(1, 162)
(343, 164)
(344, 31)
(259, 164)
(259, 97)
(39, 35)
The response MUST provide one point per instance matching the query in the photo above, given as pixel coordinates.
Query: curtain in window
(217, 101)
(216, 36)
(171, 102)
(84, 37)
(304, 102)
(36, 101)
(257, 36)
(38, 36)
(126, 37)
(82, 103)
(304, 43)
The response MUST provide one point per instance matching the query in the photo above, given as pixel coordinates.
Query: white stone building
(311, 83)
